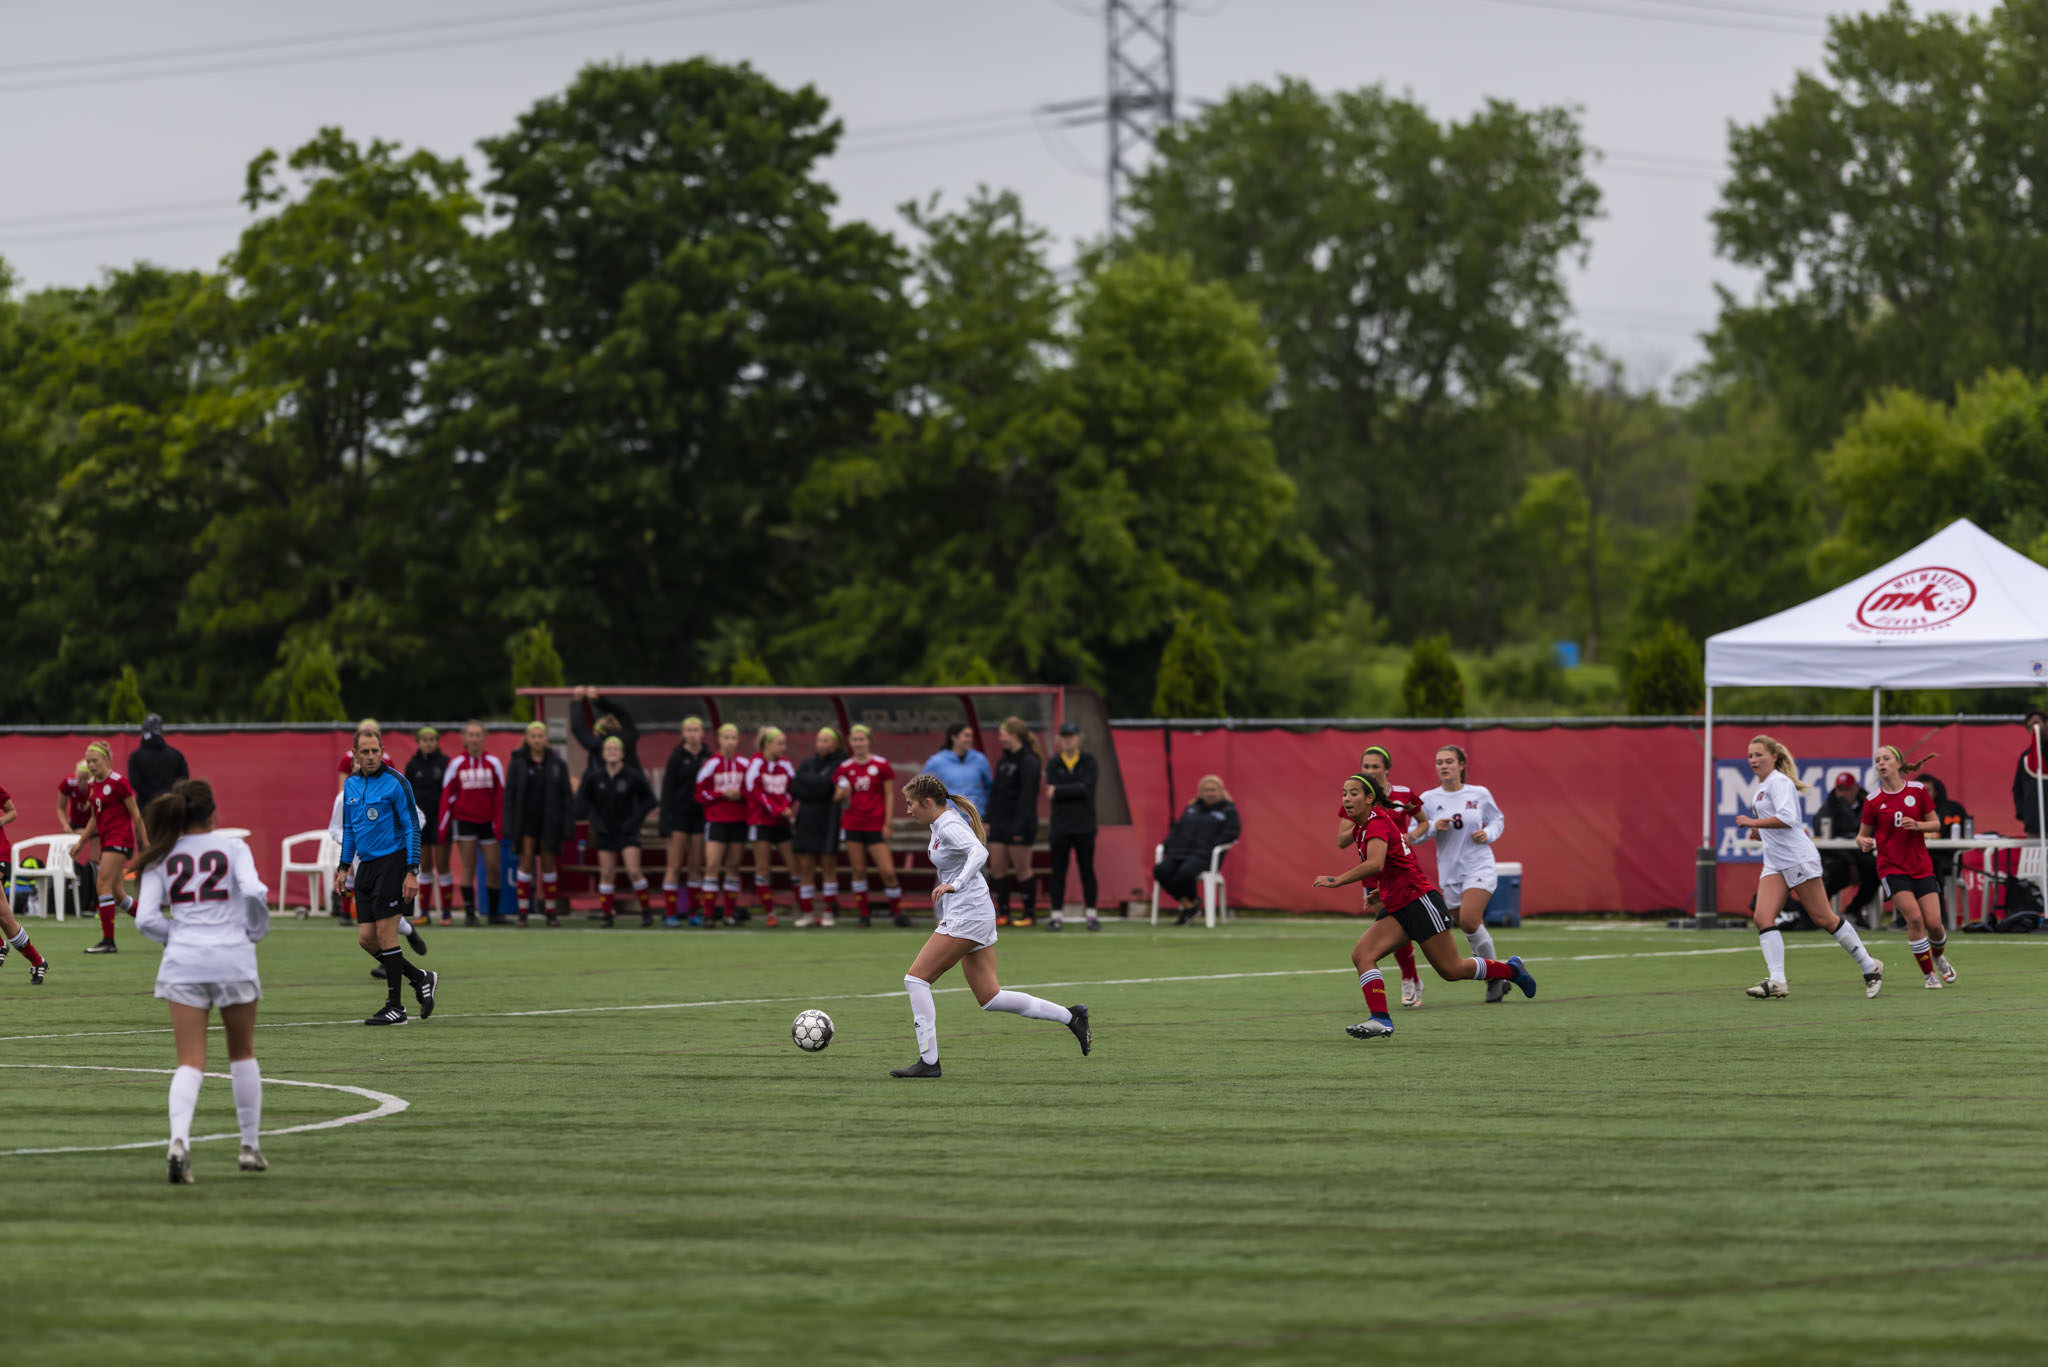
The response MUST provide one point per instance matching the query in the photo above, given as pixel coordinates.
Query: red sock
(1495, 968)
(106, 918)
(860, 901)
(732, 903)
(803, 901)
(1404, 955)
(1375, 990)
(28, 951)
(767, 897)
(604, 900)
(1924, 958)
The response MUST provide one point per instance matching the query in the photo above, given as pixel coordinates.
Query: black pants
(1841, 868)
(1082, 847)
(1177, 873)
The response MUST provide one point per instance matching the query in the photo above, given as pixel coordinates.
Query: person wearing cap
(154, 765)
(1842, 813)
(1070, 780)
(425, 771)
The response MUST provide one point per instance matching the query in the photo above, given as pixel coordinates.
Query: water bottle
(1826, 823)
(1969, 828)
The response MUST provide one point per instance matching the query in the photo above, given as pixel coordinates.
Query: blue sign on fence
(1733, 784)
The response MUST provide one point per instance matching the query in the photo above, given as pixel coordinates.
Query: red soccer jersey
(1401, 879)
(347, 765)
(868, 781)
(6, 842)
(768, 795)
(473, 790)
(77, 805)
(722, 789)
(109, 798)
(1901, 850)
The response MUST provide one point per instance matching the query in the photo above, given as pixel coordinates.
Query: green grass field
(1640, 1166)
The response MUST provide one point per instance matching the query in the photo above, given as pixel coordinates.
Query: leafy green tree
(1742, 554)
(1411, 276)
(1432, 685)
(1190, 673)
(962, 668)
(535, 664)
(124, 705)
(748, 671)
(306, 686)
(1665, 677)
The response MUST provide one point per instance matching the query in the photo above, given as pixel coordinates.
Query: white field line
(387, 1104)
(1748, 948)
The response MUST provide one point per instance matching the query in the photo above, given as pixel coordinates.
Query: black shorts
(526, 826)
(1028, 835)
(690, 822)
(602, 839)
(121, 850)
(1896, 883)
(777, 834)
(817, 839)
(1425, 917)
(866, 837)
(726, 832)
(380, 887)
(473, 830)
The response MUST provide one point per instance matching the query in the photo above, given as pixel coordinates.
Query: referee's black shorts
(380, 887)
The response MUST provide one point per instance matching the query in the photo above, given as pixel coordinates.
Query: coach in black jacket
(1210, 820)
(154, 765)
(1070, 778)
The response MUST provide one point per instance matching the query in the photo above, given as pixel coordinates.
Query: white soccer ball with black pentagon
(812, 1030)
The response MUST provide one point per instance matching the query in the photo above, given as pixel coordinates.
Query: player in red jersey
(74, 817)
(12, 936)
(472, 815)
(1897, 819)
(1377, 764)
(769, 808)
(722, 793)
(862, 783)
(1416, 910)
(117, 822)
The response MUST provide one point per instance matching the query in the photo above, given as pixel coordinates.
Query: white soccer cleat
(1411, 992)
(252, 1160)
(1873, 981)
(806, 920)
(1933, 983)
(1943, 967)
(828, 920)
(1769, 987)
(1373, 1028)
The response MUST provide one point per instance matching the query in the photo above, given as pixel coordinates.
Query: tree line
(635, 406)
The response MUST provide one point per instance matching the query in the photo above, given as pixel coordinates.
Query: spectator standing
(963, 768)
(538, 808)
(1842, 813)
(472, 811)
(616, 799)
(817, 830)
(2026, 788)
(155, 764)
(425, 772)
(682, 824)
(1210, 820)
(1070, 781)
(771, 805)
(592, 717)
(1012, 819)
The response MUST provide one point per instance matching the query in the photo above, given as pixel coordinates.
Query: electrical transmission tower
(1142, 90)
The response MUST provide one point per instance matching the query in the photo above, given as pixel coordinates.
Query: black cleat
(646, 920)
(380, 972)
(103, 947)
(469, 918)
(423, 988)
(1079, 1025)
(1187, 915)
(866, 919)
(4, 948)
(179, 1161)
(392, 1014)
(1497, 990)
(903, 919)
(917, 1069)
(37, 972)
(416, 940)
(607, 920)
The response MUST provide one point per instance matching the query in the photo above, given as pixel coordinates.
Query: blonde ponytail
(932, 788)
(966, 806)
(1783, 762)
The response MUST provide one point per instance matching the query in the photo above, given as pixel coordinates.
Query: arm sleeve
(347, 835)
(498, 807)
(401, 816)
(184, 770)
(444, 813)
(579, 726)
(1496, 819)
(974, 857)
(149, 906)
(755, 768)
(334, 821)
(255, 897)
(1232, 827)
(645, 800)
(629, 730)
(1785, 804)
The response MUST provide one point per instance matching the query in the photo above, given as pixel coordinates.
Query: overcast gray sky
(104, 160)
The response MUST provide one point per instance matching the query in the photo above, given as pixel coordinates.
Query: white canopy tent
(1960, 610)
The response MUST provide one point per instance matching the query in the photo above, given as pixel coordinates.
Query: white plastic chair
(319, 871)
(55, 874)
(1215, 897)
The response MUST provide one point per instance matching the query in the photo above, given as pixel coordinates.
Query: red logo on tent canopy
(1917, 600)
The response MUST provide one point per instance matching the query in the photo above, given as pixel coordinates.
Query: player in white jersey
(1791, 864)
(218, 909)
(1465, 823)
(966, 930)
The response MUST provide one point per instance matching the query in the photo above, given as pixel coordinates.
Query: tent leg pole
(2042, 825)
(1876, 718)
(1704, 869)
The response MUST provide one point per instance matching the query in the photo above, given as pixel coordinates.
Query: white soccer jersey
(218, 909)
(958, 857)
(1787, 849)
(1460, 858)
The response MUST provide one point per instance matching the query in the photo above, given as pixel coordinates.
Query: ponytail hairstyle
(1782, 761)
(1908, 768)
(1372, 788)
(189, 803)
(1457, 750)
(105, 751)
(767, 734)
(1025, 735)
(81, 770)
(930, 787)
(1386, 756)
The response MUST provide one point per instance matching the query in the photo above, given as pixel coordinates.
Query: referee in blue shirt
(380, 858)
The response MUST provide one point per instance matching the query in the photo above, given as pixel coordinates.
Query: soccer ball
(812, 1030)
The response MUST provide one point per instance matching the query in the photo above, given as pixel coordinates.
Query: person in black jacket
(1210, 820)
(816, 788)
(592, 717)
(1012, 819)
(682, 823)
(2026, 791)
(616, 798)
(424, 771)
(154, 765)
(1843, 814)
(538, 808)
(1070, 780)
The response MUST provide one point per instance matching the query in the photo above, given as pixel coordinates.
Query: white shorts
(978, 929)
(1803, 872)
(205, 995)
(1489, 879)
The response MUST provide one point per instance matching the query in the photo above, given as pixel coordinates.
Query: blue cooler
(1506, 907)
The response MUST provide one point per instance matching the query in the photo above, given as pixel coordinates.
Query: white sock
(247, 1080)
(404, 927)
(1847, 938)
(1482, 943)
(924, 1016)
(20, 938)
(184, 1100)
(831, 889)
(668, 885)
(732, 884)
(860, 885)
(894, 892)
(640, 886)
(1772, 943)
(446, 880)
(1028, 1006)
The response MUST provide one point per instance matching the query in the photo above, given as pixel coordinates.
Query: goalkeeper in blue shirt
(380, 861)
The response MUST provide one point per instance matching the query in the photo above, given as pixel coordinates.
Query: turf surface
(1641, 1165)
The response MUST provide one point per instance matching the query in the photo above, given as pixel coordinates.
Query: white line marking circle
(387, 1104)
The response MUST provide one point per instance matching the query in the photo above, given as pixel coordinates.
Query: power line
(1804, 26)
